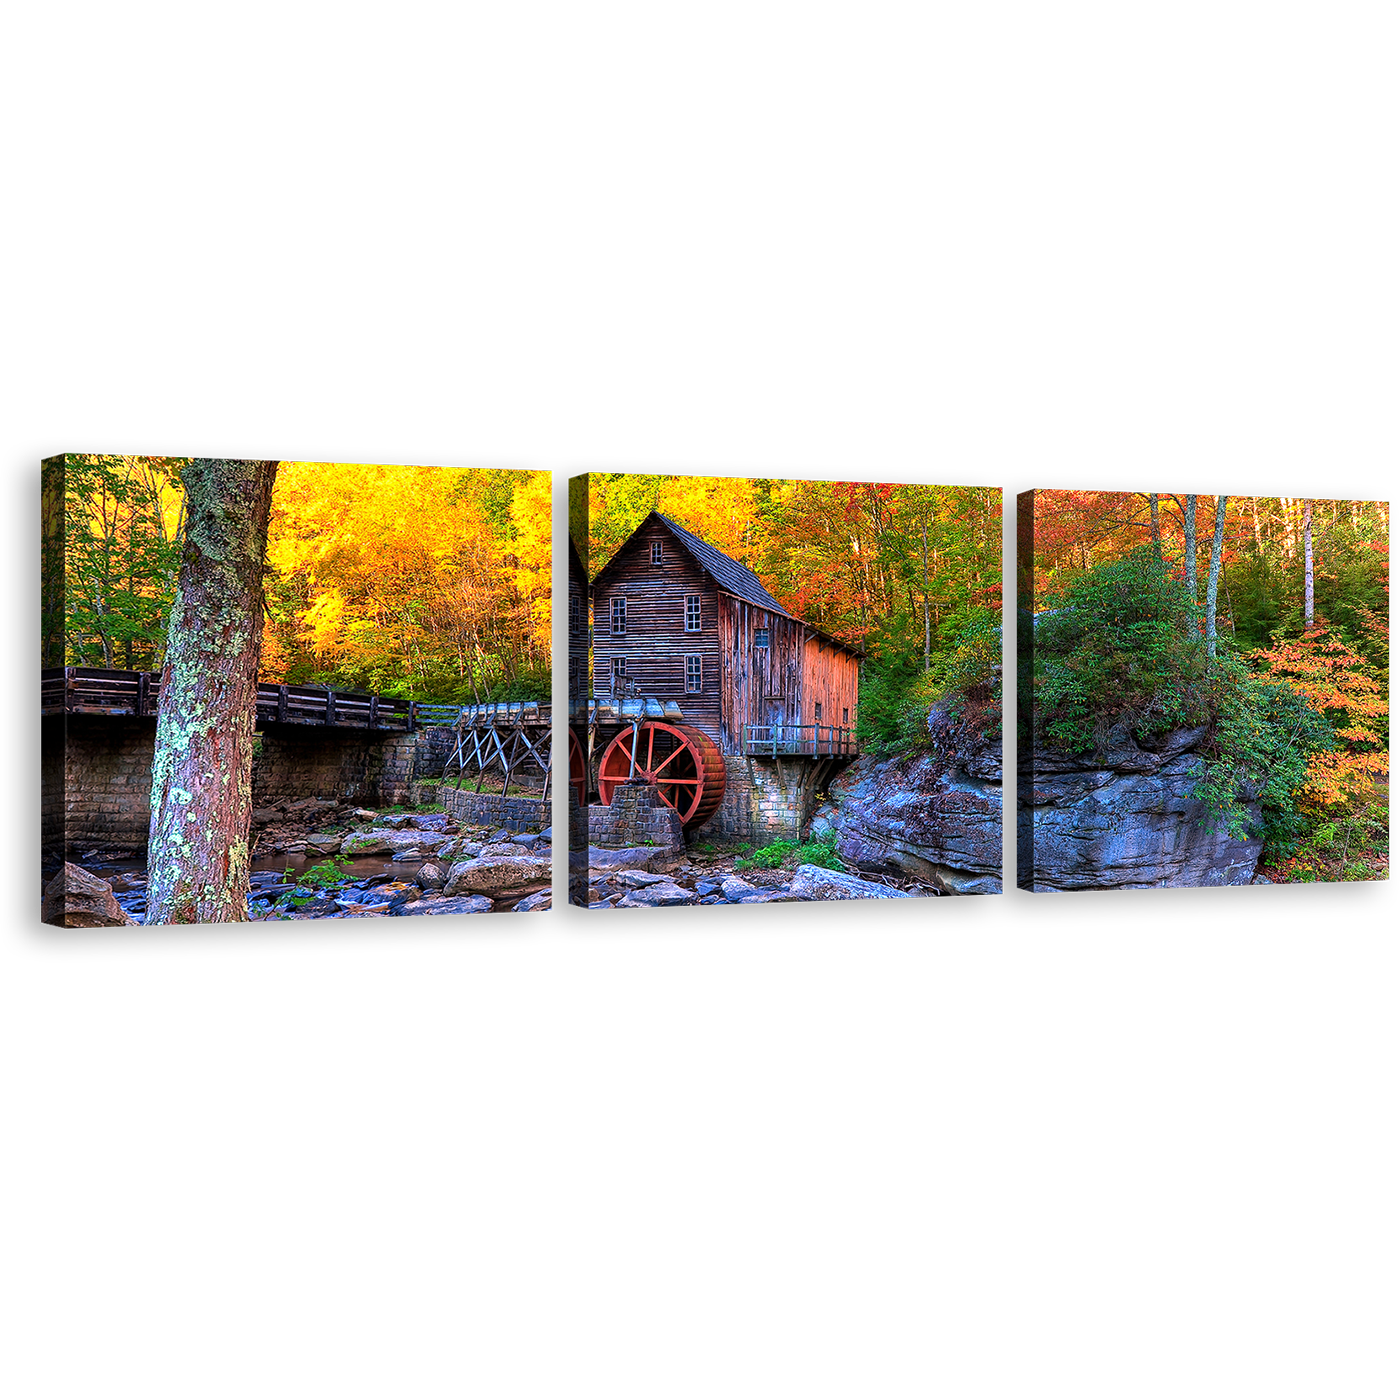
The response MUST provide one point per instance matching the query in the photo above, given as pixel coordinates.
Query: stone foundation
(768, 799)
(97, 780)
(636, 817)
(97, 773)
(310, 761)
(490, 809)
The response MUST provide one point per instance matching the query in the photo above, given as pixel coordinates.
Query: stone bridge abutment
(97, 772)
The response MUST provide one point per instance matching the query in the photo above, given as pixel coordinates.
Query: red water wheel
(578, 769)
(686, 766)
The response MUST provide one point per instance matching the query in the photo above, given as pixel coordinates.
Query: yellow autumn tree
(426, 582)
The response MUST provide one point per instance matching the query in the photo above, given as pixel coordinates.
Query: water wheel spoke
(675, 753)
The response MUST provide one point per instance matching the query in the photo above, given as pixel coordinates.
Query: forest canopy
(429, 583)
(1263, 619)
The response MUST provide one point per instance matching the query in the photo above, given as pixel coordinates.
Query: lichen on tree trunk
(201, 781)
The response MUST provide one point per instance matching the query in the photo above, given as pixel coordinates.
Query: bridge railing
(92, 690)
(788, 740)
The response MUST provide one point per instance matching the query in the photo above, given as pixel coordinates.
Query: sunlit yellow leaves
(322, 622)
(420, 580)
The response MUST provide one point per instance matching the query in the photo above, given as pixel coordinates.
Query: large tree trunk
(1156, 527)
(201, 782)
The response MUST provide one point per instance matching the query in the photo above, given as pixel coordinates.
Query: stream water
(366, 888)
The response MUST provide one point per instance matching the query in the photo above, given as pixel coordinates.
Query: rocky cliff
(1124, 817)
(933, 814)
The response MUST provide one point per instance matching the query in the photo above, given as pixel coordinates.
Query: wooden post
(374, 712)
(282, 703)
(143, 692)
(330, 707)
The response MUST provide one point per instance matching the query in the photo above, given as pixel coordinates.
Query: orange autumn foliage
(1337, 680)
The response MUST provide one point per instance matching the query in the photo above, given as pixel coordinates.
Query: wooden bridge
(89, 690)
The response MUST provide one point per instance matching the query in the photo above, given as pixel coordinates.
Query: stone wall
(490, 809)
(101, 768)
(767, 799)
(297, 761)
(636, 817)
(97, 775)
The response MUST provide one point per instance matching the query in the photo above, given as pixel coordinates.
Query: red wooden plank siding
(831, 676)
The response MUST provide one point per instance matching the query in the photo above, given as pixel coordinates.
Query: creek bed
(268, 900)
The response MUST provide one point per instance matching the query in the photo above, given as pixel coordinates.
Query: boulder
(466, 904)
(532, 903)
(497, 874)
(382, 842)
(431, 876)
(656, 896)
(630, 858)
(735, 888)
(817, 882)
(76, 898)
(501, 848)
(326, 844)
(459, 848)
(638, 879)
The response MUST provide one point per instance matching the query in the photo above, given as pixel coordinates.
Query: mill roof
(729, 574)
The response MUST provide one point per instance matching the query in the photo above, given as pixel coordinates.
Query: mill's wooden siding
(831, 677)
(578, 628)
(656, 643)
(759, 685)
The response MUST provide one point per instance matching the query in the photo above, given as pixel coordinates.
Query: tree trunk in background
(1307, 567)
(1156, 527)
(1213, 577)
(928, 635)
(201, 780)
(1191, 547)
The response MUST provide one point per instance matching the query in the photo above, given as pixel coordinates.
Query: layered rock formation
(1124, 817)
(934, 815)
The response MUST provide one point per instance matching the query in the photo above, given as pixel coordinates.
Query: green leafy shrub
(325, 874)
(768, 857)
(820, 852)
(1263, 736)
(779, 853)
(1120, 642)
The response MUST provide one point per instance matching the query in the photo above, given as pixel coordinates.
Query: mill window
(845, 716)
(692, 612)
(760, 636)
(818, 708)
(573, 612)
(619, 616)
(694, 675)
(619, 674)
(656, 551)
(574, 670)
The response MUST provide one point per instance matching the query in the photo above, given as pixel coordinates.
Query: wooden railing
(90, 690)
(813, 740)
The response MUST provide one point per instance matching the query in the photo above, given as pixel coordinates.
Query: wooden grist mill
(699, 678)
(504, 742)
